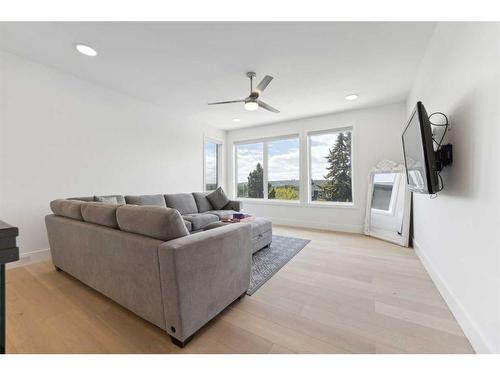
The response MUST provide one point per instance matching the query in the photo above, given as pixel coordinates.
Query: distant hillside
(285, 183)
(279, 183)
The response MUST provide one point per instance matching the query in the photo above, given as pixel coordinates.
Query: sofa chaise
(151, 255)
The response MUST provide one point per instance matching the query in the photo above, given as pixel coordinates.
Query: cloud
(284, 166)
(210, 163)
(320, 147)
(284, 158)
(210, 170)
(247, 158)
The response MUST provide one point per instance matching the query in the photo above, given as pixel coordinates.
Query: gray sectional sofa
(151, 254)
(195, 208)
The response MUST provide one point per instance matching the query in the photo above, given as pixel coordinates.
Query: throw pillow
(218, 198)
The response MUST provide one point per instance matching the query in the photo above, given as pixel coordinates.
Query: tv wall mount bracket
(443, 153)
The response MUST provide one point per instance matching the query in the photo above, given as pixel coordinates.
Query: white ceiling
(183, 66)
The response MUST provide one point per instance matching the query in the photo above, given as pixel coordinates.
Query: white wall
(61, 136)
(376, 136)
(457, 234)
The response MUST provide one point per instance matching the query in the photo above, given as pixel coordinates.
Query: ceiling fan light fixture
(85, 49)
(251, 105)
(253, 101)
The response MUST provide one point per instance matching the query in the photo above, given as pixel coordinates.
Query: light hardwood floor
(342, 293)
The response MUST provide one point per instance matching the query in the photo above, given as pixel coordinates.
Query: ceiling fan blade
(228, 102)
(264, 83)
(267, 106)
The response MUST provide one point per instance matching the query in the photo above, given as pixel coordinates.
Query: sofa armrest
(201, 274)
(234, 205)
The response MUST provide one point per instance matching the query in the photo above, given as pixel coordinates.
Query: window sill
(330, 205)
(272, 202)
(277, 202)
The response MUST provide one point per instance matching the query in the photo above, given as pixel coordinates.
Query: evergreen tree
(338, 186)
(271, 191)
(256, 182)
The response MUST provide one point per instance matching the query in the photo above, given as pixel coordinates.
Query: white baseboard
(467, 324)
(319, 225)
(31, 257)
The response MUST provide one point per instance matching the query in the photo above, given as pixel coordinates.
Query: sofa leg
(240, 297)
(58, 269)
(179, 343)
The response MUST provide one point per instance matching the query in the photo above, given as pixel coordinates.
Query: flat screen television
(419, 154)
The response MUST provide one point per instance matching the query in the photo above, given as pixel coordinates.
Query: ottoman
(262, 231)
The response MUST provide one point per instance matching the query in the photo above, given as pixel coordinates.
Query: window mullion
(305, 169)
(235, 171)
(217, 171)
(265, 174)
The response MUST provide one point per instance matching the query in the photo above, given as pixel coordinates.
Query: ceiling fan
(252, 101)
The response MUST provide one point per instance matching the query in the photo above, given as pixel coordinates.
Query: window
(268, 169)
(212, 156)
(272, 170)
(283, 169)
(330, 166)
(250, 170)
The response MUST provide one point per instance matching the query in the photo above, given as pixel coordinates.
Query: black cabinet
(9, 252)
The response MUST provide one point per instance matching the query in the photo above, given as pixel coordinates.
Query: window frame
(309, 201)
(265, 164)
(219, 166)
(304, 170)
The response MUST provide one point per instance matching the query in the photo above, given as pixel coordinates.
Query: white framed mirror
(388, 203)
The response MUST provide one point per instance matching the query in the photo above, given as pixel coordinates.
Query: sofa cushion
(67, 208)
(85, 199)
(120, 199)
(199, 221)
(202, 202)
(100, 213)
(146, 200)
(218, 198)
(189, 226)
(221, 213)
(157, 222)
(184, 203)
(107, 200)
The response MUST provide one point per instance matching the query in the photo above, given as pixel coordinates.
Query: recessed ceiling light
(351, 97)
(236, 120)
(86, 50)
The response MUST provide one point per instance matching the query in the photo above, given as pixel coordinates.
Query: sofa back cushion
(184, 203)
(85, 199)
(202, 202)
(67, 208)
(218, 198)
(113, 199)
(146, 200)
(157, 222)
(100, 213)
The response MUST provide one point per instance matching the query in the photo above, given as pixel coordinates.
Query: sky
(283, 157)
(320, 147)
(210, 163)
(247, 158)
